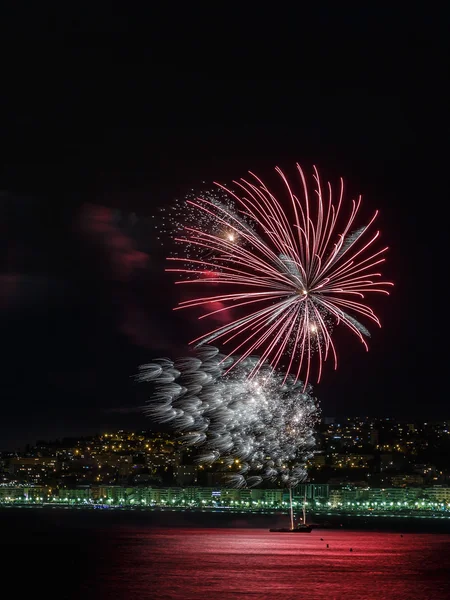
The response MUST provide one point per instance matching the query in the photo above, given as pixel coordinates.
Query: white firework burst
(264, 424)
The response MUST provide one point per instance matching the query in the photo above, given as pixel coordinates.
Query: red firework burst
(291, 273)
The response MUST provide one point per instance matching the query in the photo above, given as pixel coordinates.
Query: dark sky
(110, 133)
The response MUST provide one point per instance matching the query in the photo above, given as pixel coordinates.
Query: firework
(171, 222)
(289, 274)
(262, 427)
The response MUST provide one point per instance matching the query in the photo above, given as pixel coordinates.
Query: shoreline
(216, 517)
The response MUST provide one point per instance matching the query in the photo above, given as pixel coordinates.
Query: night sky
(91, 152)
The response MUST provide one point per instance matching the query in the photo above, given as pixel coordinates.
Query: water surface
(72, 555)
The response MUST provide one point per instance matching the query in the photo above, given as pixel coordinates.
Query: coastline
(232, 518)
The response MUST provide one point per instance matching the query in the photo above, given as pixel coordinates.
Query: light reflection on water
(84, 556)
(236, 563)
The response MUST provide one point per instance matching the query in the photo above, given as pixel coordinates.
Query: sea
(66, 553)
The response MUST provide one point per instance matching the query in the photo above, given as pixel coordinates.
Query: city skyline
(364, 468)
(356, 450)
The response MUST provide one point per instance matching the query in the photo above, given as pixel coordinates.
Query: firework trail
(290, 275)
(263, 427)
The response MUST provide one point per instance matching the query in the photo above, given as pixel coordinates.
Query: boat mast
(292, 508)
(304, 508)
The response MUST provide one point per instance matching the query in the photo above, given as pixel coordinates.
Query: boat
(301, 527)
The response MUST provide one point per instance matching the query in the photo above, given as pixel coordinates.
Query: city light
(370, 467)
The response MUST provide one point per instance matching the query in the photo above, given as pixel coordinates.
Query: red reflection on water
(235, 563)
